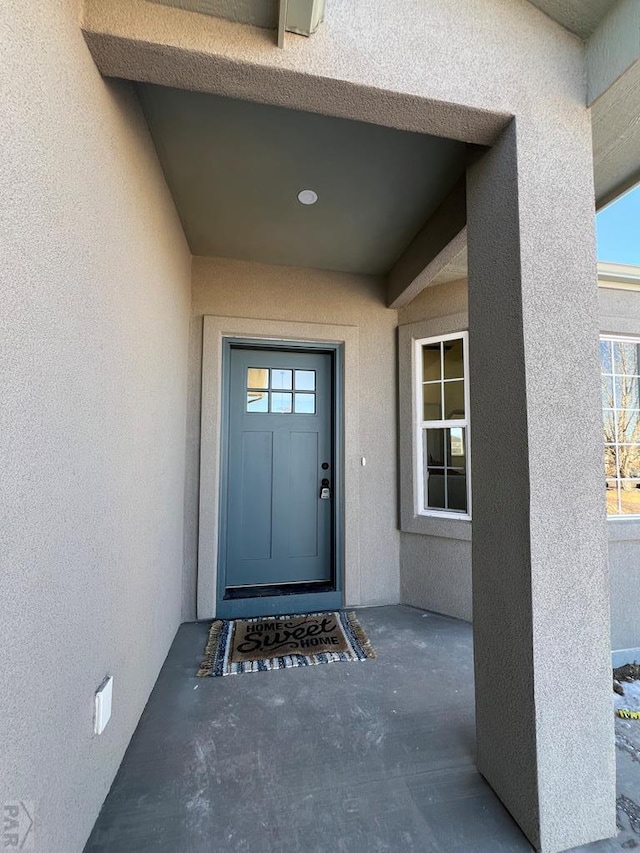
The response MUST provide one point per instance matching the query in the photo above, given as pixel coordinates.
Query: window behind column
(620, 363)
(442, 407)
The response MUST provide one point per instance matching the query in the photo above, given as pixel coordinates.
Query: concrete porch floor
(359, 757)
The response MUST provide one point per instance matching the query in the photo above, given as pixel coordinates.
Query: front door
(278, 484)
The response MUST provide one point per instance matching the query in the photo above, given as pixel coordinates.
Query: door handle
(325, 490)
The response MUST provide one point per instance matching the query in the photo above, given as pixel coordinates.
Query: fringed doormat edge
(217, 652)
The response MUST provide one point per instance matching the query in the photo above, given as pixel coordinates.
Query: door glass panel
(431, 368)
(432, 405)
(305, 380)
(257, 401)
(258, 377)
(281, 380)
(453, 363)
(305, 404)
(281, 403)
(454, 400)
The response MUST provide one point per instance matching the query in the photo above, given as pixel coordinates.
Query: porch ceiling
(235, 169)
(579, 16)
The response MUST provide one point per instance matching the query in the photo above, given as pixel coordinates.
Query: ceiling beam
(613, 65)
(613, 48)
(435, 246)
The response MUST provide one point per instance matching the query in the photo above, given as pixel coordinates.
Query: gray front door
(277, 511)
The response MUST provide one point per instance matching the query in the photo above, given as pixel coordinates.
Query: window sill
(444, 527)
(623, 529)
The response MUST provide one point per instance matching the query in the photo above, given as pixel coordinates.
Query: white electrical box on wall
(102, 713)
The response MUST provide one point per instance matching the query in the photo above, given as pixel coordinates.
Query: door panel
(304, 465)
(253, 496)
(278, 529)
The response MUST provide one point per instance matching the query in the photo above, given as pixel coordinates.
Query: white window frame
(625, 339)
(421, 425)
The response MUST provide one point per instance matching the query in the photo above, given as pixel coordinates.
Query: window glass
(431, 362)
(432, 401)
(258, 377)
(453, 359)
(305, 380)
(281, 402)
(454, 400)
(257, 401)
(620, 364)
(281, 380)
(305, 404)
(445, 474)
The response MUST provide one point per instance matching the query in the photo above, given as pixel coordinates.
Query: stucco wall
(95, 294)
(435, 572)
(242, 289)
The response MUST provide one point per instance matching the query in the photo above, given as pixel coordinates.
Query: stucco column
(540, 577)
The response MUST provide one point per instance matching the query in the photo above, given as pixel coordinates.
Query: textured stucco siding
(271, 293)
(95, 294)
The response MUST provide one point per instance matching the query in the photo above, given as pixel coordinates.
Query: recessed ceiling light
(307, 197)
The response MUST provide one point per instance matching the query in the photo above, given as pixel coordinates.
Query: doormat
(280, 642)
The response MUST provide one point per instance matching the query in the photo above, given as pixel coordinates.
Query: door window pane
(257, 401)
(305, 404)
(258, 377)
(281, 380)
(305, 380)
(281, 403)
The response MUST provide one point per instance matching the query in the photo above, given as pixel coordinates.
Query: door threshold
(278, 605)
(278, 589)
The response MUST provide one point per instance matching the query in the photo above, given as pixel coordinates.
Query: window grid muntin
(291, 390)
(616, 411)
(422, 425)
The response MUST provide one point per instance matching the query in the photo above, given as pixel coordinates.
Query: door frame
(228, 607)
(218, 335)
